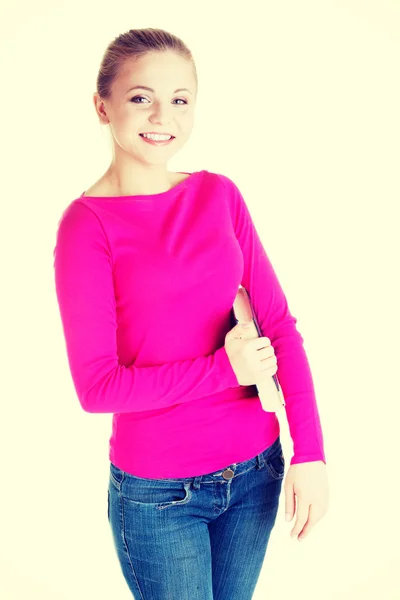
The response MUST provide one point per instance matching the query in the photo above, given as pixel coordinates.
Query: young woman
(147, 265)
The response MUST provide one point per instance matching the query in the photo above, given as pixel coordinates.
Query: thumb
(289, 504)
(238, 327)
(244, 324)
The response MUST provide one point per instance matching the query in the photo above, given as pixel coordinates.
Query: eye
(137, 97)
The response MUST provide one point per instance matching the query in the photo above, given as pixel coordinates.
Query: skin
(306, 483)
(138, 167)
(307, 486)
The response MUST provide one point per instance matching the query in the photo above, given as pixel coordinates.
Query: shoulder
(78, 219)
(223, 180)
(219, 179)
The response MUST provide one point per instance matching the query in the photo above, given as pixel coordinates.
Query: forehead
(157, 70)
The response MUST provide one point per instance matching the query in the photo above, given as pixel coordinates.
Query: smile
(156, 142)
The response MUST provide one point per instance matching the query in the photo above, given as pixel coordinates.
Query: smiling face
(167, 109)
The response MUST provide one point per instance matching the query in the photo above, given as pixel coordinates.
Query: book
(269, 391)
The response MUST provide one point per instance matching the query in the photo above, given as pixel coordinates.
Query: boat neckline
(172, 190)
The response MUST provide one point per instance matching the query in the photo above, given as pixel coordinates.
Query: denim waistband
(225, 474)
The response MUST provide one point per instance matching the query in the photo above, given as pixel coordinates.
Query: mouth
(157, 142)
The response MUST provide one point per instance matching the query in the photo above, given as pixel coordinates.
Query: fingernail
(287, 517)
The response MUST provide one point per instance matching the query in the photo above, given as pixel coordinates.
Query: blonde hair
(135, 43)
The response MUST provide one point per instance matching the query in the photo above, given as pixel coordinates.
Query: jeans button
(228, 474)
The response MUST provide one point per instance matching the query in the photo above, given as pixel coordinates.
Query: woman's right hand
(252, 360)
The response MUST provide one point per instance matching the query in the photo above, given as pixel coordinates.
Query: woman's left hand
(309, 482)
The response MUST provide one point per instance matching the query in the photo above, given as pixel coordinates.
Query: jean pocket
(116, 476)
(276, 465)
(155, 494)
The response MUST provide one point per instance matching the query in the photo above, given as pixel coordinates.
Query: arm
(83, 270)
(279, 325)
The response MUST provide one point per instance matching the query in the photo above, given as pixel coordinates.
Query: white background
(299, 104)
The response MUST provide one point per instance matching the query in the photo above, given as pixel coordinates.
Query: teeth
(157, 137)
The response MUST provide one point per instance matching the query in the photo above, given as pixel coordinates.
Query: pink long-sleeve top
(145, 286)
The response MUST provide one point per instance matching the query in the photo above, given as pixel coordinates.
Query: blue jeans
(196, 538)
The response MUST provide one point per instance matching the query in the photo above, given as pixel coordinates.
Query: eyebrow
(143, 87)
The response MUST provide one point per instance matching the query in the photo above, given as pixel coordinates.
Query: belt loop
(196, 482)
(260, 461)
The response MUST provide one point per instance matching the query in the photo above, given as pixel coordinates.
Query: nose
(161, 114)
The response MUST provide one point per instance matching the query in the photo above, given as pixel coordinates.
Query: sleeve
(83, 271)
(279, 325)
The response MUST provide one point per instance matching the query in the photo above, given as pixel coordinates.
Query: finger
(267, 352)
(289, 502)
(303, 509)
(313, 518)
